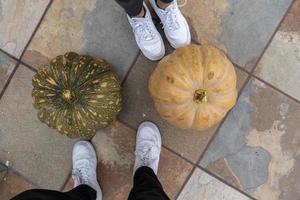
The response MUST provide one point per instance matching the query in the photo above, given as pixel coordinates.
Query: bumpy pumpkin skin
(76, 95)
(194, 87)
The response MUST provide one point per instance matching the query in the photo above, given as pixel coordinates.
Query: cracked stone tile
(241, 28)
(6, 67)
(115, 150)
(280, 64)
(257, 147)
(203, 186)
(18, 19)
(12, 185)
(138, 106)
(98, 28)
(27, 145)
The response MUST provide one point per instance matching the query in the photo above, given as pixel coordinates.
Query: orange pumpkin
(194, 87)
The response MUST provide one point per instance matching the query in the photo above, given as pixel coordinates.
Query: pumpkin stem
(68, 95)
(200, 96)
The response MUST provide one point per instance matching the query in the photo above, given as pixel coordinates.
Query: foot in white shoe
(84, 166)
(146, 35)
(174, 23)
(148, 146)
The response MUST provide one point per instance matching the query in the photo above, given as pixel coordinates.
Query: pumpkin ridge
(83, 69)
(174, 117)
(85, 84)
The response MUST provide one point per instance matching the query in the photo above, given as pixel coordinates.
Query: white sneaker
(84, 166)
(148, 146)
(174, 23)
(147, 37)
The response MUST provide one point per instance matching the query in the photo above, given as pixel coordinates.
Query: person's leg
(131, 7)
(163, 3)
(147, 186)
(82, 192)
(148, 147)
(146, 35)
(86, 186)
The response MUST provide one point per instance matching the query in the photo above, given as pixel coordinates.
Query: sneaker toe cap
(154, 51)
(180, 39)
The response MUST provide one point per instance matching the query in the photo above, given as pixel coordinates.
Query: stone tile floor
(252, 154)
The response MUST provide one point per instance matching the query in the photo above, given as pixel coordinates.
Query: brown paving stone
(241, 28)
(98, 28)
(18, 21)
(69, 185)
(6, 67)
(12, 185)
(292, 20)
(280, 64)
(115, 149)
(257, 147)
(138, 107)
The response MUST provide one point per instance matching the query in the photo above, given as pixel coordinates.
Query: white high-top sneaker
(84, 166)
(148, 146)
(174, 23)
(147, 37)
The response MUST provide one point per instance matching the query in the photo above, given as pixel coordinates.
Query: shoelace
(146, 152)
(170, 16)
(81, 173)
(144, 29)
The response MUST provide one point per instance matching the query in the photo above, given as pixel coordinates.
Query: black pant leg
(132, 7)
(82, 192)
(147, 186)
(167, 1)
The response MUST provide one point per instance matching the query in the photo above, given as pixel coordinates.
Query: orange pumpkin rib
(186, 119)
(171, 111)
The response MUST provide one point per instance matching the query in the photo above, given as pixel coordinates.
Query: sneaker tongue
(147, 149)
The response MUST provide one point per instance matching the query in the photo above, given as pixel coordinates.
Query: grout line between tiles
(271, 38)
(269, 84)
(275, 88)
(130, 68)
(185, 182)
(9, 79)
(9, 55)
(28, 66)
(223, 181)
(36, 29)
(21, 176)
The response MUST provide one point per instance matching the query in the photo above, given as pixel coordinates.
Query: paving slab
(203, 186)
(280, 64)
(18, 21)
(138, 106)
(6, 67)
(29, 146)
(241, 28)
(98, 28)
(115, 147)
(257, 147)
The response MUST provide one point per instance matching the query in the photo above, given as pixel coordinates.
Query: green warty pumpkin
(76, 94)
